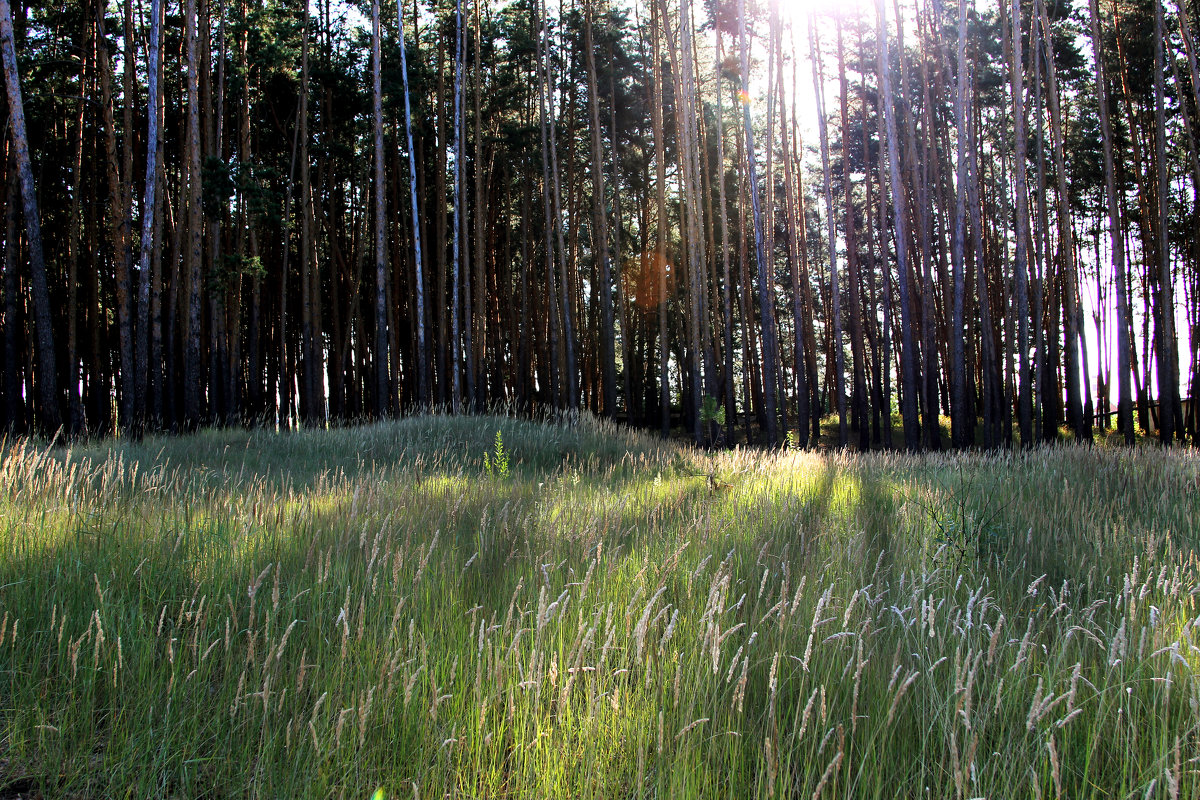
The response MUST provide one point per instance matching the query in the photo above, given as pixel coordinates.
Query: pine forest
(920, 225)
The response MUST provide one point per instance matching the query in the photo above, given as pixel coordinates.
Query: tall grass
(317, 614)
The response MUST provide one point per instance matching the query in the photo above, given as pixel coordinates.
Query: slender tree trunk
(462, 210)
(456, 218)
(857, 343)
(149, 207)
(794, 209)
(478, 341)
(765, 278)
(1116, 236)
(908, 364)
(157, 357)
(193, 255)
(1075, 416)
(839, 385)
(608, 365)
(622, 299)
(440, 222)
(726, 285)
(659, 263)
(875, 266)
(383, 380)
(1168, 377)
(922, 161)
(419, 287)
(47, 377)
(76, 420)
(885, 358)
(568, 335)
(524, 388)
(1021, 265)
(962, 424)
(247, 377)
(702, 358)
(308, 356)
(552, 319)
(14, 419)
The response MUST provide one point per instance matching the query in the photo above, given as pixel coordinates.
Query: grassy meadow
(593, 613)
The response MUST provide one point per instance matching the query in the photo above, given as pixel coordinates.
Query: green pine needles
(711, 411)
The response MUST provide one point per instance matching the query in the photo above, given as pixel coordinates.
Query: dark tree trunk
(150, 224)
(44, 354)
(383, 380)
(607, 355)
(908, 363)
(765, 278)
(193, 398)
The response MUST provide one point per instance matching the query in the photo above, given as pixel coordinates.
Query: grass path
(318, 614)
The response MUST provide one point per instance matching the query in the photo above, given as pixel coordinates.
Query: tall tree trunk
(119, 233)
(922, 161)
(659, 263)
(860, 397)
(477, 341)
(1116, 236)
(462, 211)
(383, 380)
(908, 363)
(14, 415)
(157, 357)
(193, 399)
(885, 358)
(439, 219)
(1075, 417)
(839, 384)
(1021, 265)
(456, 217)
(726, 284)
(608, 365)
(149, 206)
(622, 298)
(308, 357)
(1168, 376)
(962, 424)
(246, 370)
(765, 278)
(47, 371)
(568, 335)
(76, 420)
(419, 288)
(794, 210)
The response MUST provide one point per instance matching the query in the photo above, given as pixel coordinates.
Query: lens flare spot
(648, 279)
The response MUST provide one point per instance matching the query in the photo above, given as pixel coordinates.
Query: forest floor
(591, 612)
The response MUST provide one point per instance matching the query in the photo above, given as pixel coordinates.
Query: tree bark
(149, 220)
(859, 400)
(49, 415)
(765, 278)
(908, 364)
(607, 355)
(193, 255)
(962, 424)
(383, 379)
(1021, 265)
(1116, 236)
(1168, 376)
